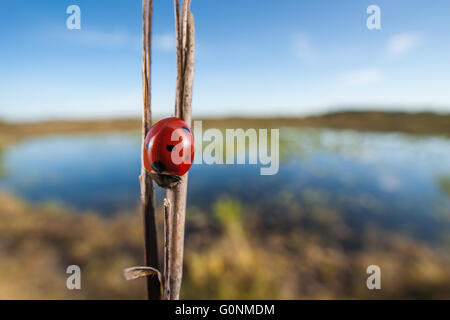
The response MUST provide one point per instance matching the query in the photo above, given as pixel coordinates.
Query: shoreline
(366, 121)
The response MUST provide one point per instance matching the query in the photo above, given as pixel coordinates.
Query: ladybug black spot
(186, 129)
(158, 166)
(170, 147)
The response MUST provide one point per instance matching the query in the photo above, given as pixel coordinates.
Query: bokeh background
(364, 119)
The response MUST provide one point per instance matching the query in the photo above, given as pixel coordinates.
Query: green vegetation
(233, 249)
(416, 123)
(444, 183)
(39, 242)
(229, 254)
(377, 121)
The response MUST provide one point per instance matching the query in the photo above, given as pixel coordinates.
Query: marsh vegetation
(342, 200)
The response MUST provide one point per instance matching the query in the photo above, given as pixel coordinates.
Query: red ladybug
(168, 151)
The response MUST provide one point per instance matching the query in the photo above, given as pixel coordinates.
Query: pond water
(399, 181)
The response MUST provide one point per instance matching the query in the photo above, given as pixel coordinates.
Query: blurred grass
(231, 253)
(37, 243)
(232, 250)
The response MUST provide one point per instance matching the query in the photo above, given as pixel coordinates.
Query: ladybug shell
(164, 156)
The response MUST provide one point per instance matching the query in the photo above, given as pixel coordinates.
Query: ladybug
(168, 151)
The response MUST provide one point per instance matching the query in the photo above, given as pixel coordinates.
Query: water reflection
(395, 180)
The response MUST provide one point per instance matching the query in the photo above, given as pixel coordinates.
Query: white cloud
(90, 37)
(164, 42)
(360, 77)
(401, 43)
(109, 39)
(90, 105)
(303, 47)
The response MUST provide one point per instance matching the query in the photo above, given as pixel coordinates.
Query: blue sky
(254, 57)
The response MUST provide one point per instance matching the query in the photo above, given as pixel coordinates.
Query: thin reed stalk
(185, 39)
(147, 197)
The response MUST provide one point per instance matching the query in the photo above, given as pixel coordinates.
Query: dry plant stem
(178, 93)
(184, 25)
(167, 232)
(147, 199)
(189, 70)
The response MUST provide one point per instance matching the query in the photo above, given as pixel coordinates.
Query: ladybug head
(165, 180)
